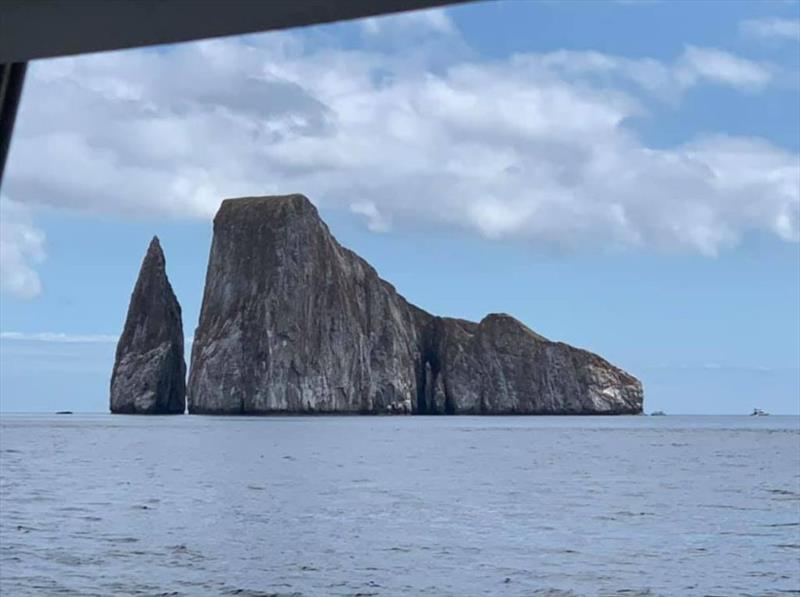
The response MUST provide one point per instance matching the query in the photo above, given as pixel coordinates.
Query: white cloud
(772, 28)
(415, 22)
(722, 367)
(665, 81)
(721, 67)
(376, 221)
(62, 338)
(536, 148)
(662, 81)
(59, 337)
(21, 248)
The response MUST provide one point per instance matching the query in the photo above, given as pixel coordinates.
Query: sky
(623, 176)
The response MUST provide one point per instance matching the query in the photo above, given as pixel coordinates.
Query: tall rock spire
(149, 374)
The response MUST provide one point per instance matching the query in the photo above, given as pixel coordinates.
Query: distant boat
(757, 412)
(658, 413)
(64, 412)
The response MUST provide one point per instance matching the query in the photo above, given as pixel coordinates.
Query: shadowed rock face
(292, 322)
(149, 374)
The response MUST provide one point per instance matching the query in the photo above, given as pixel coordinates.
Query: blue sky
(623, 176)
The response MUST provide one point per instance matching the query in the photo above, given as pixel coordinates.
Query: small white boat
(757, 412)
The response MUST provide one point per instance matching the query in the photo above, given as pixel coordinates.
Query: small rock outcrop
(292, 322)
(149, 375)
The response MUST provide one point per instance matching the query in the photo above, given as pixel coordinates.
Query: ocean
(191, 505)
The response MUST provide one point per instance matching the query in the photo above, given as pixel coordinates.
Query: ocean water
(189, 505)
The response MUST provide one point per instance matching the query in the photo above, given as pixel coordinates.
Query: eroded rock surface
(149, 375)
(292, 322)
(499, 366)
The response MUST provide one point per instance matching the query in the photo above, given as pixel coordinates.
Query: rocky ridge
(292, 322)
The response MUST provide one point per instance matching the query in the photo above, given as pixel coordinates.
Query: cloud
(771, 28)
(663, 81)
(721, 67)
(21, 248)
(415, 22)
(636, 2)
(712, 366)
(60, 338)
(536, 148)
(376, 221)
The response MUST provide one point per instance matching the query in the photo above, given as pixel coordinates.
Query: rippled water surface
(188, 505)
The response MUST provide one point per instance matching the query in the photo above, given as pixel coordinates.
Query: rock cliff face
(149, 374)
(499, 366)
(292, 322)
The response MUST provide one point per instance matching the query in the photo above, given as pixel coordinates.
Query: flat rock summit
(292, 322)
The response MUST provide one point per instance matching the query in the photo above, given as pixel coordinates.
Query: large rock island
(149, 374)
(292, 322)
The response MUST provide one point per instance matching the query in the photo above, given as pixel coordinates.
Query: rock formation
(149, 374)
(499, 366)
(292, 322)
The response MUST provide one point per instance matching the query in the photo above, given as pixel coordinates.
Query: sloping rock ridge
(292, 322)
(149, 375)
